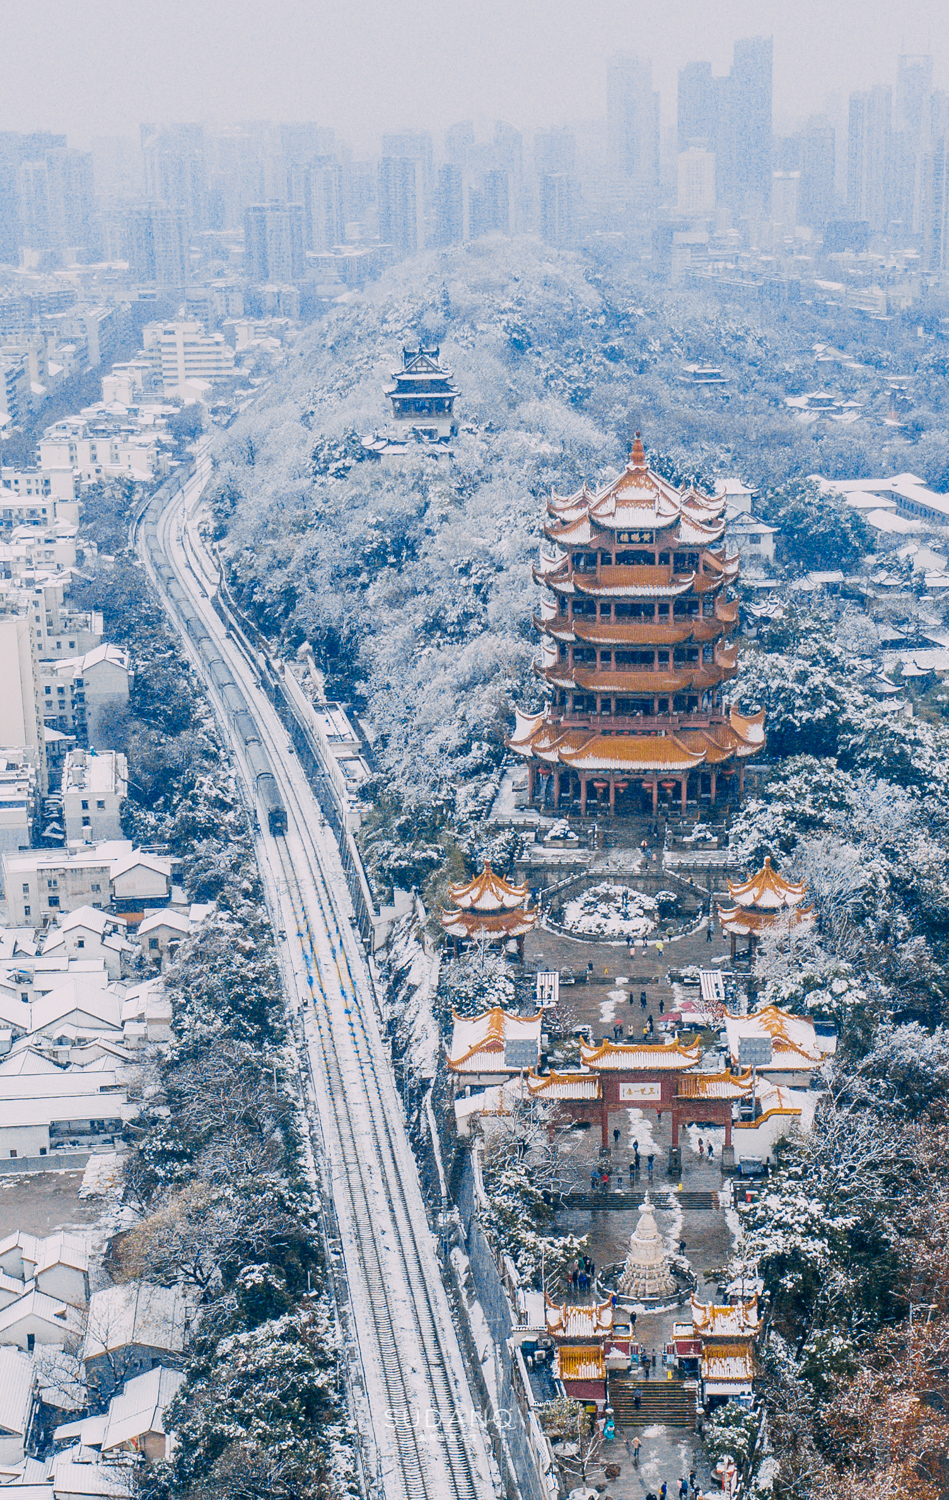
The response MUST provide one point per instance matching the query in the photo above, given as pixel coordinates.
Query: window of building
(85, 806)
(153, 944)
(54, 900)
(95, 887)
(100, 805)
(80, 942)
(26, 889)
(26, 911)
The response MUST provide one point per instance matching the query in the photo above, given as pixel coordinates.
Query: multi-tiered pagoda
(636, 648)
(423, 397)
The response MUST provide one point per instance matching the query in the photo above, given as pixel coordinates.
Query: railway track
(423, 1437)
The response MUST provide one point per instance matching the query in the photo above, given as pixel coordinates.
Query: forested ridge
(412, 582)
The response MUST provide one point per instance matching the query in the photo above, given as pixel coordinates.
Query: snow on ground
(608, 1006)
(640, 1131)
(608, 910)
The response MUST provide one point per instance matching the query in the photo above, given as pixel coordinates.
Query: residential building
(16, 400)
(156, 236)
(192, 360)
(558, 209)
(274, 242)
(18, 800)
(21, 721)
(94, 788)
(135, 1423)
(42, 885)
(632, 106)
(88, 934)
(869, 156)
(73, 445)
(131, 1329)
(401, 202)
(695, 180)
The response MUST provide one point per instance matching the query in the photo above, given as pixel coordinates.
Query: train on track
(270, 804)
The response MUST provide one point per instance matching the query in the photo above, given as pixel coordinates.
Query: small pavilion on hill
(763, 903)
(488, 909)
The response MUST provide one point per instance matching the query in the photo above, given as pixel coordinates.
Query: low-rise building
(42, 885)
(87, 933)
(132, 1329)
(94, 788)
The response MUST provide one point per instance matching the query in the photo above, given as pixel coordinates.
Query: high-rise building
(274, 242)
(558, 207)
(695, 181)
(190, 355)
(745, 128)
(934, 206)
(632, 107)
(451, 205)
(818, 165)
(401, 203)
(785, 194)
(912, 121)
(699, 106)
(175, 171)
(869, 170)
(321, 193)
(156, 238)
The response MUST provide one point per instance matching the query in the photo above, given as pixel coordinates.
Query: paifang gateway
(636, 649)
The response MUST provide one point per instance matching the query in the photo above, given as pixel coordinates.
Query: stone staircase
(633, 1200)
(670, 1402)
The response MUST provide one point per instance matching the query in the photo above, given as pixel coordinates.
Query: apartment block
(94, 787)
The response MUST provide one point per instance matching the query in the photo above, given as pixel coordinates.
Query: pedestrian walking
(711, 1151)
(645, 1032)
(636, 1447)
(660, 947)
(642, 999)
(701, 1147)
(582, 1278)
(663, 1491)
(592, 1267)
(637, 1401)
(693, 1482)
(632, 1170)
(708, 931)
(662, 1007)
(594, 1181)
(649, 1161)
(654, 1359)
(632, 1324)
(651, 1028)
(682, 1247)
(616, 1135)
(683, 1490)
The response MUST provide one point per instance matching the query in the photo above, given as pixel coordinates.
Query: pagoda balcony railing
(637, 723)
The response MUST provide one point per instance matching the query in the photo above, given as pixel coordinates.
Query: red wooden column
(583, 796)
(655, 796)
(612, 795)
(557, 788)
(728, 1125)
(712, 785)
(684, 786)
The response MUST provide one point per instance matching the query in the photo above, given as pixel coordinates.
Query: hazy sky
(99, 67)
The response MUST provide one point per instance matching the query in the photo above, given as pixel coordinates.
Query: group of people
(581, 1273)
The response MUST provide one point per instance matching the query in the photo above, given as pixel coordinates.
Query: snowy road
(420, 1431)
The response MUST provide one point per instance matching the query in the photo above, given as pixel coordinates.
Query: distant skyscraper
(912, 121)
(401, 203)
(451, 206)
(695, 181)
(632, 108)
(785, 192)
(175, 171)
(557, 208)
(818, 161)
(869, 157)
(699, 106)
(458, 142)
(321, 192)
(934, 208)
(745, 127)
(274, 242)
(555, 151)
(157, 244)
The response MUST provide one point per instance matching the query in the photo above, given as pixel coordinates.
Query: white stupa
(647, 1275)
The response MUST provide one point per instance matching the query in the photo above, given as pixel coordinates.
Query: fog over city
(98, 68)
(474, 750)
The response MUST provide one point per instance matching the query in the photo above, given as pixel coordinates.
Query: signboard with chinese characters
(640, 1093)
(635, 536)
